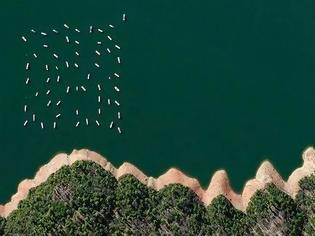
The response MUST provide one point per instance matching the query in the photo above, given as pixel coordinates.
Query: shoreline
(219, 184)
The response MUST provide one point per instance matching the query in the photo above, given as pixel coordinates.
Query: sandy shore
(219, 183)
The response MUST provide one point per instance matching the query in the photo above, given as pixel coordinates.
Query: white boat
(99, 87)
(108, 50)
(91, 29)
(76, 65)
(42, 125)
(88, 77)
(36, 94)
(77, 42)
(97, 65)
(119, 130)
(100, 30)
(86, 121)
(55, 125)
(76, 88)
(33, 31)
(108, 101)
(55, 55)
(99, 98)
(116, 46)
(124, 17)
(83, 88)
(67, 64)
(48, 92)
(98, 123)
(117, 103)
(25, 123)
(35, 55)
(58, 103)
(99, 43)
(43, 33)
(109, 77)
(55, 31)
(58, 115)
(110, 38)
(76, 53)
(68, 89)
(97, 52)
(77, 112)
(66, 26)
(77, 30)
(24, 39)
(25, 108)
(67, 39)
(48, 103)
(47, 80)
(27, 67)
(118, 60)
(77, 124)
(46, 67)
(99, 111)
(34, 117)
(118, 115)
(45, 45)
(117, 75)
(111, 124)
(116, 88)
(57, 68)
(58, 79)
(27, 81)
(111, 26)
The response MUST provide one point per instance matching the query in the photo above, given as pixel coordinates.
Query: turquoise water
(206, 85)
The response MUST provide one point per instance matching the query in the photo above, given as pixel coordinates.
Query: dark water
(206, 85)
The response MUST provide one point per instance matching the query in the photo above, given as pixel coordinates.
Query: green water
(206, 85)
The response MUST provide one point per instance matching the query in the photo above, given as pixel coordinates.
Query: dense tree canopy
(84, 199)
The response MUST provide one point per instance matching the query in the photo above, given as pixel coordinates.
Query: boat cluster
(56, 77)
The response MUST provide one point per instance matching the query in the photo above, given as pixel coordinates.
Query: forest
(85, 199)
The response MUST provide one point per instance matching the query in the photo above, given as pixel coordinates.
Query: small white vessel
(55, 55)
(76, 53)
(46, 67)
(35, 55)
(48, 103)
(77, 112)
(77, 124)
(57, 68)
(118, 60)
(116, 46)
(108, 101)
(76, 88)
(58, 79)
(55, 31)
(43, 33)
(91, 29)
(25, 108)
(117, 89)
(36, 94)
(83, 88)
(55, 125)
(88, 77)
(99, 111)
(67, 64)
(77, 30)
(118, 115)
(48, 92)
(98, 123)
(99, 87)
(124, 17)
(47, 80)
(117, 103)
(99, 98)
(24, 39)
(108, 50)
(86, 121)
(66, 26)
(58, 103)
(100, 30)
(33, 31)
(68, 89)
(111, 124)
(110, 38)
(27, 67)
(77, 42)
(45, 45)
(67, 39)
(58, 115)
(97, 65)
(97, 52)
(111, 26)
(76, 65)
(42, 125)
(119, 130)
(25, 123)
(117, 75)
(27, 80)
(34, 117)
(99, 43)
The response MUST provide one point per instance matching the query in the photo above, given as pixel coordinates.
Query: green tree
(273, 212)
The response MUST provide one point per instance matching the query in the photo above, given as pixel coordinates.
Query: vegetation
(84, 199)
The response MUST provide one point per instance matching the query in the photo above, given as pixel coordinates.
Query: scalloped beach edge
(219, 184)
